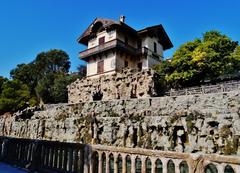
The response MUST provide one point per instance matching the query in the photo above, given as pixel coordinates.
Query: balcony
(118, 44)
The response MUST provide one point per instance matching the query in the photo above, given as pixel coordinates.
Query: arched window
(138, 165)
(184, 167)
(228, 169)
(159, 166)
(119, 163)
(95, 162)
(128, 161)
(170, 167)
(103, 163)
(148, 166)
(111, 163)
(211, 168)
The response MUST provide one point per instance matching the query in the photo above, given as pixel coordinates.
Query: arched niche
(111, 163)
(159, 166)
(129, 164)
(228, 169)
(138, 165)
(119, 163)
(170, 167)
(148, 166)
(184, 167)
(211, 168)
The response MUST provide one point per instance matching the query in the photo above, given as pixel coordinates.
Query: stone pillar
(124, 163)
(177, 164)
(153, 160)
(133, 166)
(164, 164)
(86, 161)
(107, 163)
(143, 160)
(115, 163)
(220, 168)
(100, 163)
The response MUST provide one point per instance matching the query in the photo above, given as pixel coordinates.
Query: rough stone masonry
(207, 123)
(127, 84)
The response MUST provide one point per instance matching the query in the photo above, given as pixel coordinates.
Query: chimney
(122, 19)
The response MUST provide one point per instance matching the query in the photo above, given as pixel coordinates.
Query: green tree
(40, 75)
(2, 81)
(15, 96)
(200, 60)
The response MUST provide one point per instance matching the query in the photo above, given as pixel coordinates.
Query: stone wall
(125, 85)
(199, 123)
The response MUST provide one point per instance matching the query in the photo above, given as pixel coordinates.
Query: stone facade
(128, 84)
(194, 124)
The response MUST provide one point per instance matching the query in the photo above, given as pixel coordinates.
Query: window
(125, 64)
(101, 40)
(100, 67)
(155, 47)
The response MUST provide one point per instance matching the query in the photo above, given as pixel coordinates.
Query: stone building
(114, 45)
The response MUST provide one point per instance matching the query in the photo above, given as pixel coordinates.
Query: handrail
(206, 89)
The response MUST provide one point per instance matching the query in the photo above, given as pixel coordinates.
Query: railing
(46, 156)
(222, 87)
(106, 46)
(43, 156)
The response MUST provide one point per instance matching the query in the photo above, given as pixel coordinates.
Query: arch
(103, 163)
(129, 163)
(95, 158)
(184, 167)
(170, 167)
(111, 163)
(211, 168)
(119, 163)
(138, 165)
(148, 166)
(228, 169)
(159, 166)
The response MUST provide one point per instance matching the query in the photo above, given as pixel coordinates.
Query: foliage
(43, 74)
(200, 60)
(15, 96)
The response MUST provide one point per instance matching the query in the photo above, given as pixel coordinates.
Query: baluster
(124, 163)
(164, 164)
(56, 157)
(176, 164)
(133, 166)
(60, 166)
(143, 166)
(76, 160)
(86, 161)
(153, 161)
(107, 163)
(100, 162)
(70, 160)
(115, 163)
(220, 168)
(65, 158)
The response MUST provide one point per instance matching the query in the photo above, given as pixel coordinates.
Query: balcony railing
(106, 46)
(119, 45)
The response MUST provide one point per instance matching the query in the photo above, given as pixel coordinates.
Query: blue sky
(28, 27)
